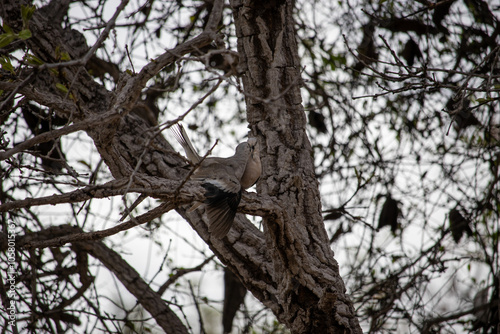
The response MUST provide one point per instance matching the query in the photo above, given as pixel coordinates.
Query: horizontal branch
(173, 193)
(54, 134)
(112, 188)
(168, 190)
(97, 235)
(254, 205)
(44, 97)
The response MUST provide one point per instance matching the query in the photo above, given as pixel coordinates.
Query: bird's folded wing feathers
(221, 180)
(222, 195)
(221, 204)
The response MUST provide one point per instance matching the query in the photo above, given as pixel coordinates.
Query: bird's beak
(252, 142)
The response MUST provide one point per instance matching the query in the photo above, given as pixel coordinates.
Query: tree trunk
(295, 275)
(309, 289)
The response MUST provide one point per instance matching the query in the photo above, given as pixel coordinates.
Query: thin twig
(181, 272)
(200, 317)
(54, 134)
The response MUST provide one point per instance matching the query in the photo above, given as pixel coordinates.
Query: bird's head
(254, 146)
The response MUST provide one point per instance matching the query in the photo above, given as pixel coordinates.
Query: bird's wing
(222, 193)
(221, 179)
(222, 202)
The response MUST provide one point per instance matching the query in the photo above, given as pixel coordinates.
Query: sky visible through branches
(389, 122)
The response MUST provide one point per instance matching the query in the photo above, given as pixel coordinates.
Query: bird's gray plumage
(223, 179)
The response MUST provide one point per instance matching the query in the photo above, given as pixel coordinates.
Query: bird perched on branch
(223, 179)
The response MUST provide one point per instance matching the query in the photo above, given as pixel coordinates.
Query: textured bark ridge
(290, 268)
(309, 290)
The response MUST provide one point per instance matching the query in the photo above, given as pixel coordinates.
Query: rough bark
(295, 275)
(310, 292)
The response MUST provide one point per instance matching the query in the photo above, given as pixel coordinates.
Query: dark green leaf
(24, 34)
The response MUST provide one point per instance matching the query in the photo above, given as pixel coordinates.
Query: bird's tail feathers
(181, 136)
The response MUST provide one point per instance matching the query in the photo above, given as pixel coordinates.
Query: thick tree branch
(41, 95)
(150, 70)
(147, 297)
(307, 273)
(55, 134)
(168, 190)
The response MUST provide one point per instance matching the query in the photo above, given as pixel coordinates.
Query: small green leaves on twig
(10, 36)
(26, 14)
(6, 65)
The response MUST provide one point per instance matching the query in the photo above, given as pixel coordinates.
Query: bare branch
(84, 60)
(181, 272)
(55, 134)
(97, 235)
(207, 36)
(134, 283)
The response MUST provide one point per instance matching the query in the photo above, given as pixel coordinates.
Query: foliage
(402, 100)
(414, 116)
